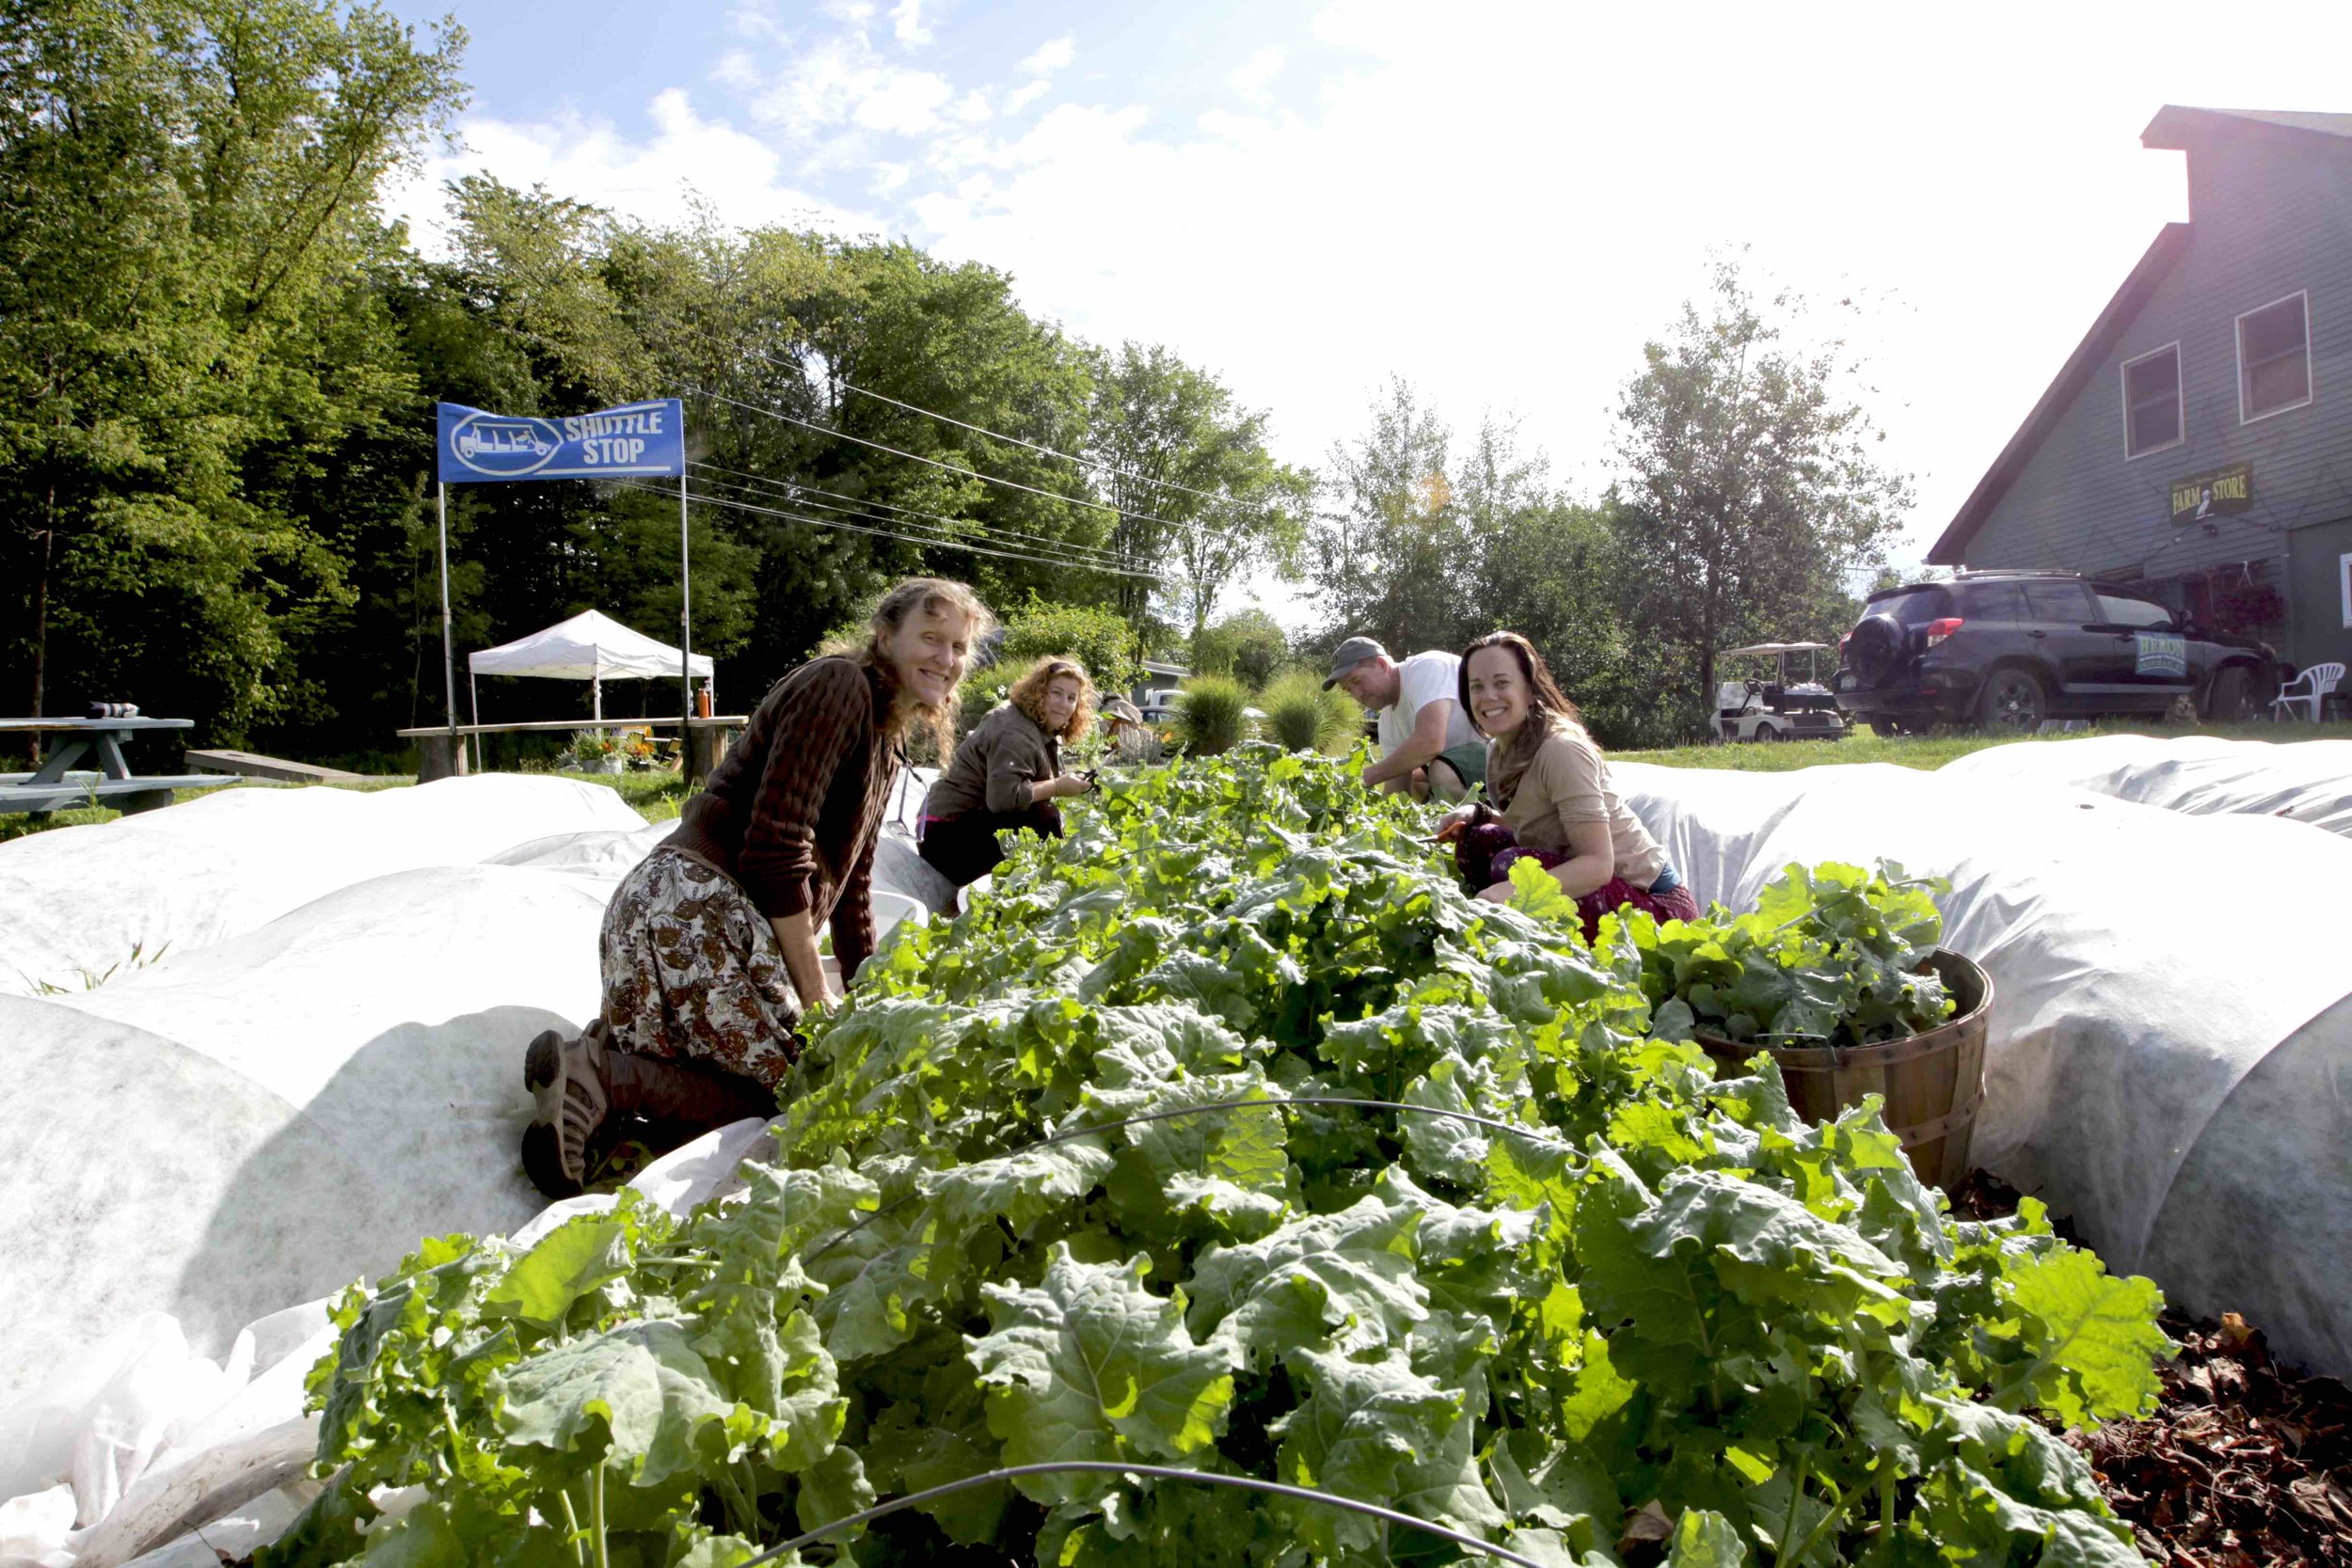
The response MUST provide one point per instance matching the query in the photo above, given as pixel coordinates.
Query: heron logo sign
(638, 440)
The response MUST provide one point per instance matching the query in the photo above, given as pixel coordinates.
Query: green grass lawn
(659, 796)
(1934, 751)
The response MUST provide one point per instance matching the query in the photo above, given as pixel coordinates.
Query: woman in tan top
(1552, 799)
(709, 949)
(1007, 774)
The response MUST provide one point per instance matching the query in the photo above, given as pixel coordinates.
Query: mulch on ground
(2246, 1464)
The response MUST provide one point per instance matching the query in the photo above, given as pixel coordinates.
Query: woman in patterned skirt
(709, 946)
(1553, 801)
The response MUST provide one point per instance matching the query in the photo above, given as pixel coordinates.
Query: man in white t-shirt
(1426, 743)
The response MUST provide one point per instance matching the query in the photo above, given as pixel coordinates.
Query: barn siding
(2267, 220)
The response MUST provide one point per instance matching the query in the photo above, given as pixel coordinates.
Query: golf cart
(1767, 702)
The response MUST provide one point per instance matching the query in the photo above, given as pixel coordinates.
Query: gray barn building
(2199, 440)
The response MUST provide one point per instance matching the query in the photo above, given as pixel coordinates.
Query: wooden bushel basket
(1932, 1082)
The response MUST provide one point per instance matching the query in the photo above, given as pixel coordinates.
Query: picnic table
(61, 782)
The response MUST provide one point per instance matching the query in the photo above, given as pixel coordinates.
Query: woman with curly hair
(1553, 801)
(1007, 773)
(709, 949)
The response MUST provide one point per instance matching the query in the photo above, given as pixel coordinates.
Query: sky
(1498, 202)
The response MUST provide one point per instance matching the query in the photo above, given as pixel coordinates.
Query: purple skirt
(1487, 851)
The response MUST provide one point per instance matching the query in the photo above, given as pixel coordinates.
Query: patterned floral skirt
(693, 972)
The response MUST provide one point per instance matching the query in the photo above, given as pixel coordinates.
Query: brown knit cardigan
(792, 812)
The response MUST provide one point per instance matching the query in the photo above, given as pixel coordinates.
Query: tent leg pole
(473, 701)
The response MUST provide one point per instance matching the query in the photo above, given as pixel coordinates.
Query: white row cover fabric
(2307, 781)
(127, 1449)
(2172, 1017)
(331, 1072)
(78, 902)
(590, 646)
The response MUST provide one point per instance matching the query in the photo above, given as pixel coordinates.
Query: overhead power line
(950, 467)
(796, 490)
(1095, 463)
(936, 541)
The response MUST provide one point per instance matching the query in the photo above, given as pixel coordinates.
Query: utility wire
(936, 541)
(799, 490)
(950, 467)
(946, 531)
(999, 435)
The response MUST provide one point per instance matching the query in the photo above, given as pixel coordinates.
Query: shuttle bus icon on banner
(503, 448)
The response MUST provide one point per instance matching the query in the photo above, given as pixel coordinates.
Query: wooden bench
(253, 765)
(59, 784)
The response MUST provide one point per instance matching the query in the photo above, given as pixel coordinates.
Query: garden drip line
(1157, 1472)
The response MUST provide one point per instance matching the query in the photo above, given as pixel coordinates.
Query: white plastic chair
(2307, 689)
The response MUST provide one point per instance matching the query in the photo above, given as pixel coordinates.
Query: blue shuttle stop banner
(637, 440)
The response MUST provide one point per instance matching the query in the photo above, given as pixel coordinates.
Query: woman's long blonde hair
(939, 596)
(1028, 695)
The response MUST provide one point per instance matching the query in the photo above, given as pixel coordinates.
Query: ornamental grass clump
(1210, 719)
(1301, 715)
(1225, 1145)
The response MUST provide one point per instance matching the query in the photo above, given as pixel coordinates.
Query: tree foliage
(1188, 472)
(1748, 503)
(1752, 488)
(190, 329)
(221, 362)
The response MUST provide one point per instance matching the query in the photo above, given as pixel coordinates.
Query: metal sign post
(685, 615)
(448, 657)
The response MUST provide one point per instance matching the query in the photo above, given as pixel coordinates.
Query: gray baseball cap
(1355, 651)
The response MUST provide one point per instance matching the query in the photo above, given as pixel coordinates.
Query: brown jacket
(793, 810)
(995, 766)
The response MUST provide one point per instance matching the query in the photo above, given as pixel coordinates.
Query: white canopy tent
(590, 646)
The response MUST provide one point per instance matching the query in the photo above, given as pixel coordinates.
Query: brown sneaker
(566, 1080)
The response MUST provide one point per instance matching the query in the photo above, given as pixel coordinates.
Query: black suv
(2006, 650)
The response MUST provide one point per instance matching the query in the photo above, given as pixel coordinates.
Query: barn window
(2151, 400)
(2274, 358)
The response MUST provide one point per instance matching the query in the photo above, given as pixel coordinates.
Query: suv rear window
(1913, 606)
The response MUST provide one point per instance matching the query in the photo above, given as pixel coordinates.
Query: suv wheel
(2226, 700)
(2013, 700)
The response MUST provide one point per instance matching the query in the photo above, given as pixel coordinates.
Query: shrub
(1098, 639)
(1209, 717)
(1300, 715)
(984, 688)
(1248, 645)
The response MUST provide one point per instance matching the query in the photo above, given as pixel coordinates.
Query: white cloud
(656, 179)
(1255, 75)
(906, 23)
(903, 101)
(1021, 97)
(842, 81)
(1052, 58)
(737, 69)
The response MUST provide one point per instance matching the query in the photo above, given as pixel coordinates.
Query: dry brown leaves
(2244, 1463)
